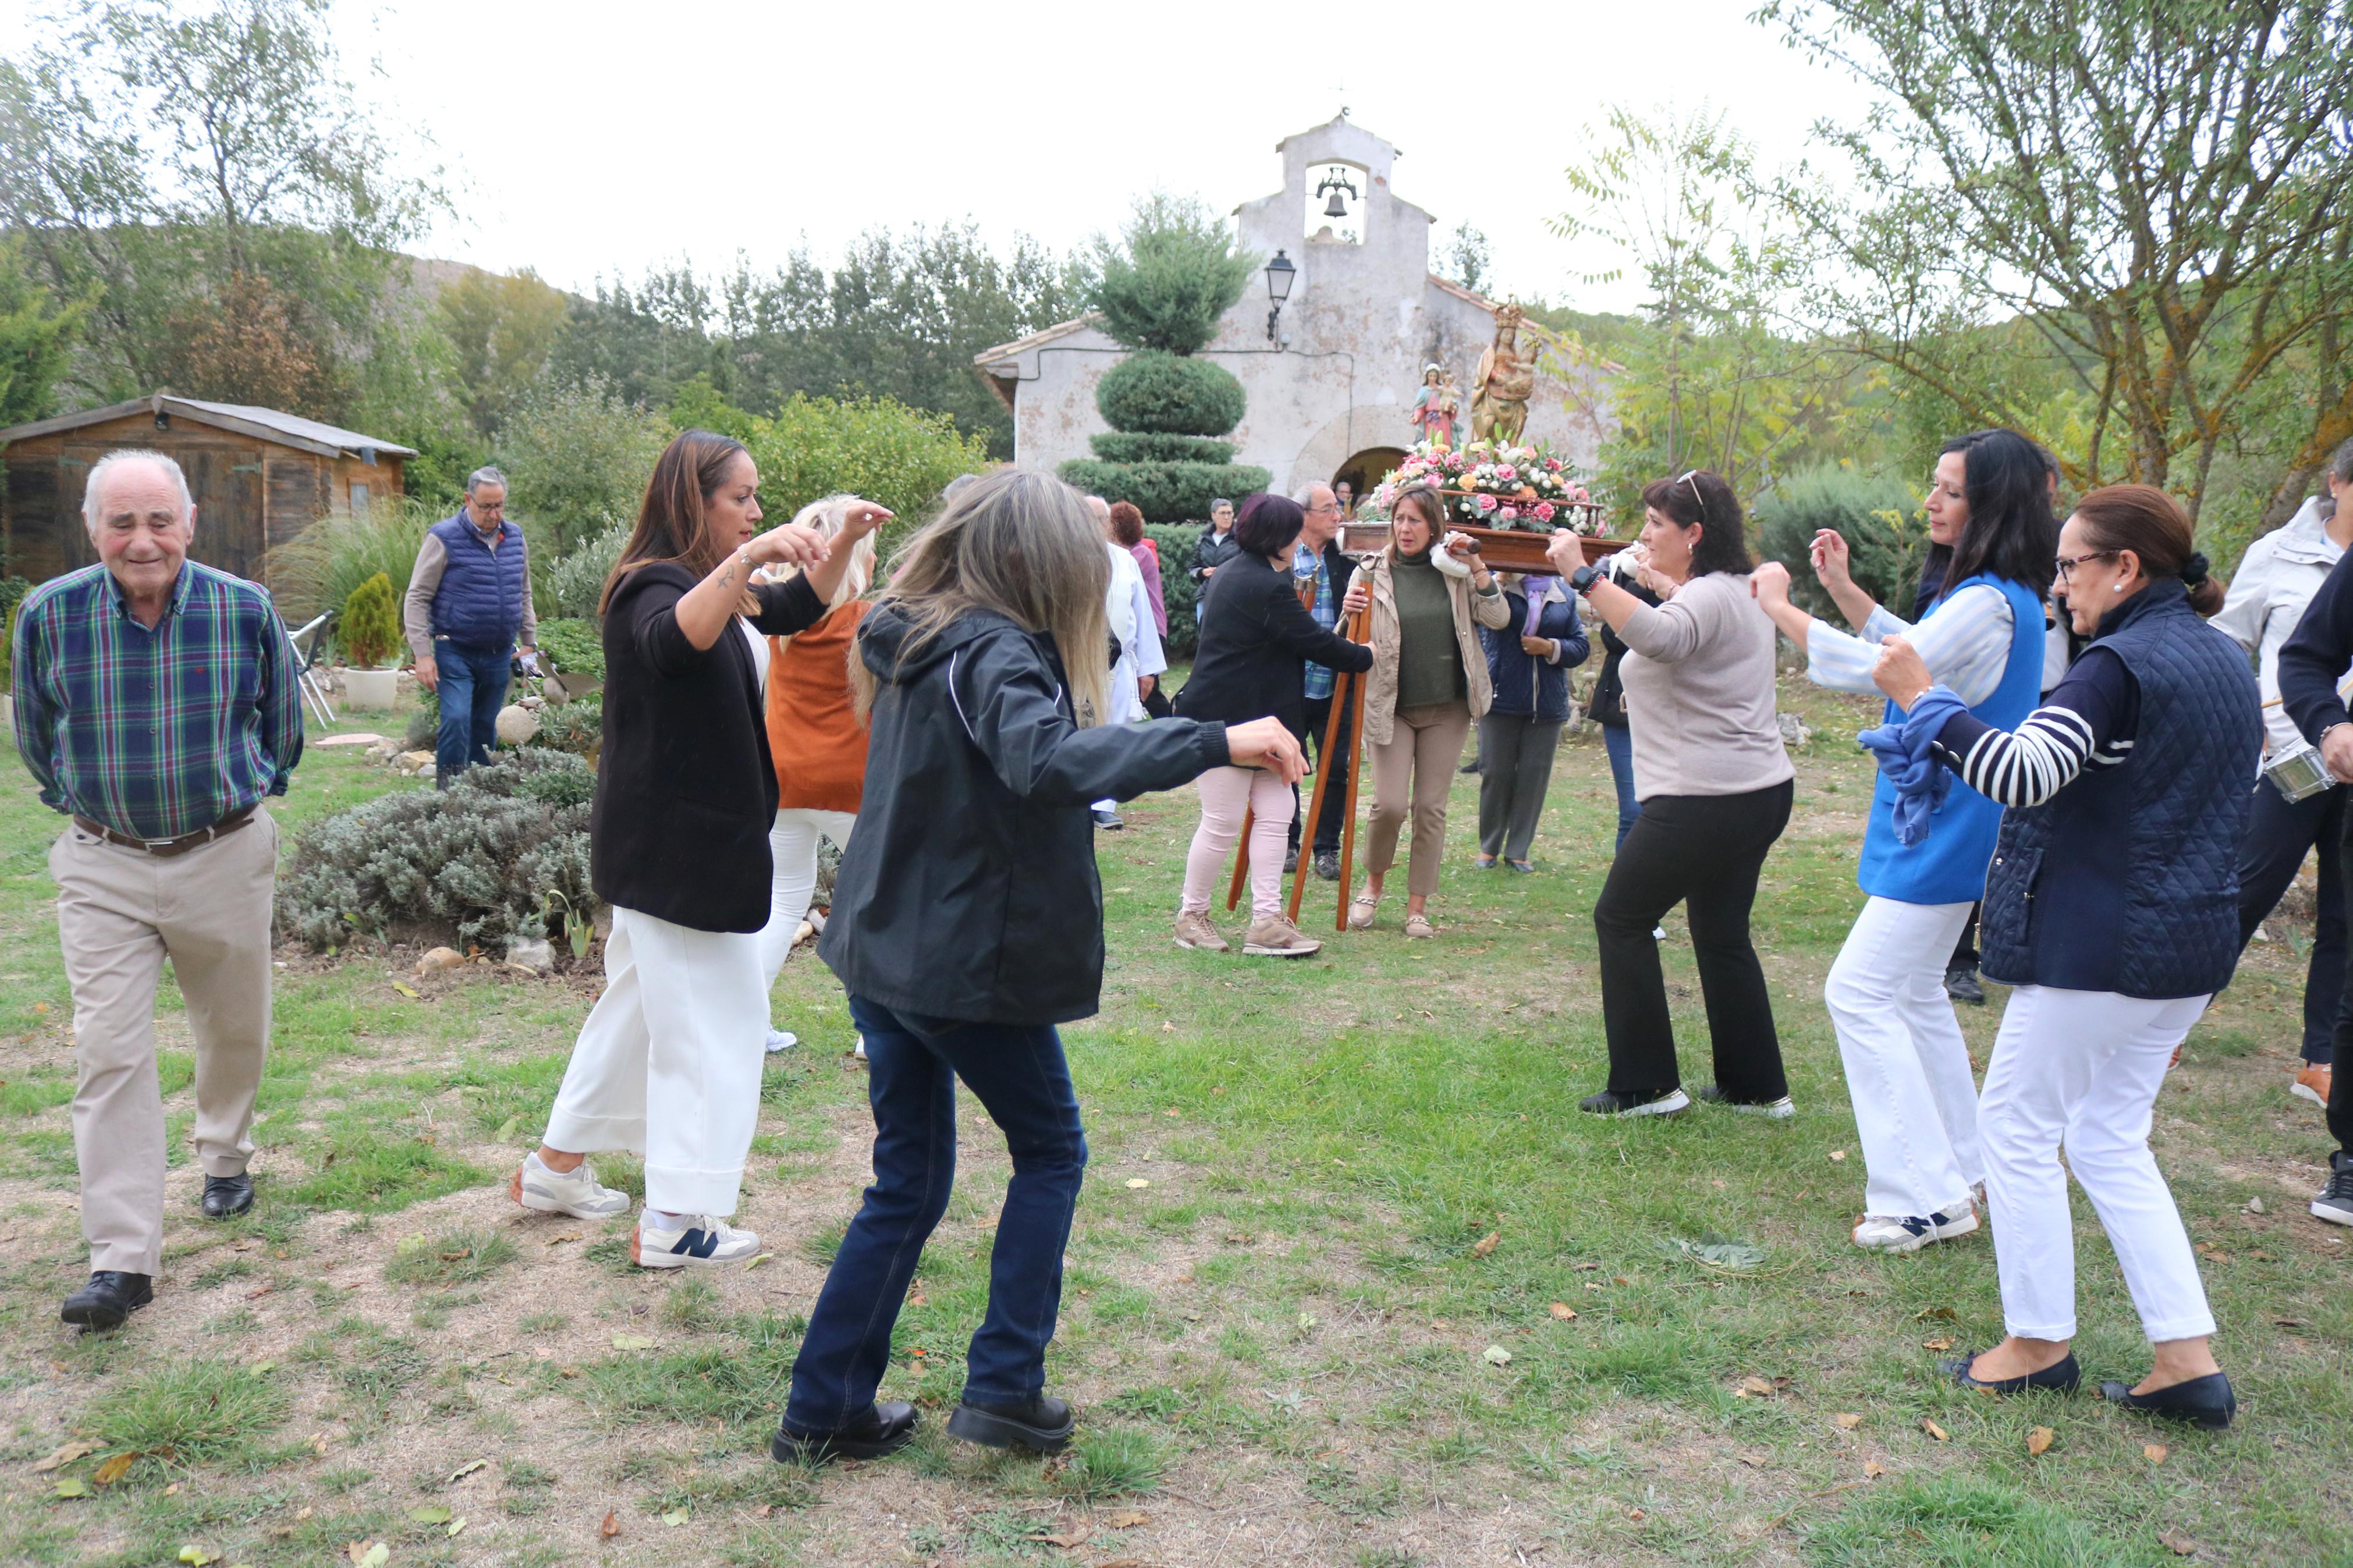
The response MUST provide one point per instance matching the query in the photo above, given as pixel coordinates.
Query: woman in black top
(1608, 708)
(668, 1062)
(1254, 636)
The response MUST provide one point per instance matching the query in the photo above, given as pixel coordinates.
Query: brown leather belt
(167, 848)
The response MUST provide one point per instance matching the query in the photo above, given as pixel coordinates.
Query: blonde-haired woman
(967, 922)
(815, 741)
(1431, 594)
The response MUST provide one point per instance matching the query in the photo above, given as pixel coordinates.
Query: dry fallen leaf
(1934, 1430)
(2177, 1543)
(429, 1513)
(1562, 1311)
(1756, 1385)
(1936, 1344)
(611, 1527)
(1128, 1519)
(632, 1343)
(1873, 1470)
(1486, 1243)
(115, 1469)
(1837, 1153)
(1637, 1515)
(1495, 1355)
(1136, 1183)
(2154, 1453)
(1847, 1421)
(2038, 1442)
(59, 1457)
(1755, 1461)
(560, 1240)
(408, 990)
(1066, 1541)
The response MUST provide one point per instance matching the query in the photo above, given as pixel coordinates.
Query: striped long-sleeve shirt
(155, 732)
(2087, 723)
(1965, 646)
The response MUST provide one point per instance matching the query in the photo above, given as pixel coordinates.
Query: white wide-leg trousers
(792, 848)
(668, 1062)
(1908, 1067)
(2079, 1070)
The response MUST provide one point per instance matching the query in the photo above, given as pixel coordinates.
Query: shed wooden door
(225, 485)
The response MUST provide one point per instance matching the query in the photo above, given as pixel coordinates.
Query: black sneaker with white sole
(1779, 1109)
(1636, 1102)
(2335, 1203)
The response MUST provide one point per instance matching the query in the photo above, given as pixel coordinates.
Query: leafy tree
(900, 457)
(501, 331)
(577, 459)
(1466, 258)
(36, 337)
(369, 631)
(2156, 188)
(1172, 277)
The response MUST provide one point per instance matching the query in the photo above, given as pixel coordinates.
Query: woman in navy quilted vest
(1908, 1067)
(2112, 906)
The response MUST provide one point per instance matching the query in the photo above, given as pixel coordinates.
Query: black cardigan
(1254, 635)
(685, 790)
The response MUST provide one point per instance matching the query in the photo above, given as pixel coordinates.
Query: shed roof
(247, 419)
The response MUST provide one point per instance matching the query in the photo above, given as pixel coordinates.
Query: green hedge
(572, 646)
(1165, 492)
(1149, 447)
(1879, 516)
(1175, 542)
(1162, 394)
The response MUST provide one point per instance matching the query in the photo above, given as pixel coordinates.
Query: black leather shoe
(1962, 985)
(1109, 821)
(2061, 1376)
(1043, 1424)
(2205, 1400)
(876, 1430)
(226, 1197)
(107, 1300)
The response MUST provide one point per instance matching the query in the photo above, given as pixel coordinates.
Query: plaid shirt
(155, 733)
(1306, 567)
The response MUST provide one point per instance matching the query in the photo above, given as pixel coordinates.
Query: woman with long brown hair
(667, 1062)
(1429, 684)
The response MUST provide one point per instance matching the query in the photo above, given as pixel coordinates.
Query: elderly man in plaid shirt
(156, 707)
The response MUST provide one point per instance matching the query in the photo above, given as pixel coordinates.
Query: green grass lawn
(1352, 1282)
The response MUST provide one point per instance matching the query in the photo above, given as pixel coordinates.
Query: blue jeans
(913, 1063)
(473, 689)
(1618, 742)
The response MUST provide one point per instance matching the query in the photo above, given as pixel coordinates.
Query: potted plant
(370, 633)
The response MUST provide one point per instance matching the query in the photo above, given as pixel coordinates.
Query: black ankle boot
(876, 1430)
(1041, 1425)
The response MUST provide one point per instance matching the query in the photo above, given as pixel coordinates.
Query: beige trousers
(121, 912)
(1417, 765)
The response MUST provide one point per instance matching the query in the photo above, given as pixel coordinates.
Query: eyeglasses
(2066, 564)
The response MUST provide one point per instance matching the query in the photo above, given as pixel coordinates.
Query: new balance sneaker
(1629, 1102)
(1278, 938)
(2335, 1203)
(1194, 930)
(1910, 1233)
(695, 1240)
(782, 1040)
(574, 1192)
(1779, 1109)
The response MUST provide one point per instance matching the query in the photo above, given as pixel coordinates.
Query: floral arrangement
(1488, 486)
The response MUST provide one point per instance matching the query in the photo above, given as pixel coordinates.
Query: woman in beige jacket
(1428, 682)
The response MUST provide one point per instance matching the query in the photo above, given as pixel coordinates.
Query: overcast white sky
(598, 138)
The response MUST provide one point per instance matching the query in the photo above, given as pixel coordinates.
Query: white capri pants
(2080, 1071)
(668, 1063)
(1908, 1067)
(792, 846)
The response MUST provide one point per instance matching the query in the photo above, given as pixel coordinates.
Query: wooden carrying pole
(1348, 705)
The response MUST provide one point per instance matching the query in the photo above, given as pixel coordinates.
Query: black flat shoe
(876, 1430)
(109, 1299)
(2061, 1376)
(2205, 1400)
(226, 1197)
(1042, 1425)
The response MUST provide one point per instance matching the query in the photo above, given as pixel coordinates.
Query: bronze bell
(1336, 208)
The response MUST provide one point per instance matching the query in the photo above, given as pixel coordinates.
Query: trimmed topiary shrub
(1149, 447)
(1880, 518)
(1175, 542)
(1162, 394)
(476, 863)
(369, 631)
(1165, 492)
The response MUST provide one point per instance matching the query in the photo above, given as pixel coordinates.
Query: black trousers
(1965, 946)
(1706, 853)
(2279, 833)
(1336, 763)
(2340, 1081)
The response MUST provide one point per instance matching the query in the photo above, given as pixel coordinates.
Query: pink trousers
(1226, 795)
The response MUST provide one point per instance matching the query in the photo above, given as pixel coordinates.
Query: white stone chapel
(1329, 397)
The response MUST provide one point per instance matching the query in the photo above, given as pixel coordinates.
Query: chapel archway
(1367, 467)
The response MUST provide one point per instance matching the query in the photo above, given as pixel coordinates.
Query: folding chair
(313, 685)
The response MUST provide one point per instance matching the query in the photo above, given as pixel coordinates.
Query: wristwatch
(1584, 577)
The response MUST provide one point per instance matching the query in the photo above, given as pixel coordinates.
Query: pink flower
(1486, 503)
(1579, 495)
(1507, 473)
(1510, 514)
(1553, 463)
(1544, 511)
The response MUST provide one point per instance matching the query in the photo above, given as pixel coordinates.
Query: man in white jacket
(1141, 660)
(2275, 581)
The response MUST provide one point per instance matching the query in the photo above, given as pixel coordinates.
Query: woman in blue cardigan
(1908, 1067)
(2112, 906)
(1528, 661)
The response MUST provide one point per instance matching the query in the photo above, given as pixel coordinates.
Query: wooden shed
(258, 477)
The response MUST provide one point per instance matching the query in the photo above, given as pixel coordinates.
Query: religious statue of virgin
(1435, 406)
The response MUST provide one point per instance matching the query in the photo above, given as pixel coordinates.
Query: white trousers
(1908, 1067)
(668, 1062)
(792, 845)
(2080, 1071)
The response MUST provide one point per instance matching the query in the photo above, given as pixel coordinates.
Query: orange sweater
(814, 736)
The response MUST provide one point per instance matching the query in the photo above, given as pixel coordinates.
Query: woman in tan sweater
(1431, 591)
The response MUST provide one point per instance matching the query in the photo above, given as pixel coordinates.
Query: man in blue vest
(469, 604)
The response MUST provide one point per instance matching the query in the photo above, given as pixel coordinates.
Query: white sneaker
(574, 1192)
(701, 1240)
(1658, 933)
(1910, 1233)
(782, 1040)
(861, 1052)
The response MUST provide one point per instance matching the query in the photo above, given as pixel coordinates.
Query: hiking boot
(1327, 865)
(1194, 930)
(1278, 938)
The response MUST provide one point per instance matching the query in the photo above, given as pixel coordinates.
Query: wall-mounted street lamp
(1281, 273)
